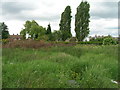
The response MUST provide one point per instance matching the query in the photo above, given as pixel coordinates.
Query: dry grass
(34, 44)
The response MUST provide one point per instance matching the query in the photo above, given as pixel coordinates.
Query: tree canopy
(82, 20)
(65, 23)
(4, 30)
(33, 29)
(82, 16)
(48, 29)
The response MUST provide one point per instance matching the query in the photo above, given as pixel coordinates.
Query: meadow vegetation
(45, 59)
(78, 66)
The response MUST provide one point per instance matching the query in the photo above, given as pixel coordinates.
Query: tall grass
(77, 66)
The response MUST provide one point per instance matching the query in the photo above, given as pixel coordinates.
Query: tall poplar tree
(82, 20)
(65, 23)
(48, 29)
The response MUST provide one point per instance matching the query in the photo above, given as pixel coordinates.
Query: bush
(99, 39)
(109, 41)
(104, 40)
(73, 39)
(91, 42)
(5, 41)
(55, 36)
(43, 37)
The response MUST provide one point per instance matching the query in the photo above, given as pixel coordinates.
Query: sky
(103, 14)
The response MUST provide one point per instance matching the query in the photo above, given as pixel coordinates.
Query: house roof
(15, 36)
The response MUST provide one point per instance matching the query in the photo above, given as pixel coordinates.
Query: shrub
(55, 36)
(5, 41)
(99, 40)
(91, 42)
(109, 41)
(43, 37)
(73, 39)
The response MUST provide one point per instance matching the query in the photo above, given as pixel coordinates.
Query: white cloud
(104, 27)
(14, 26)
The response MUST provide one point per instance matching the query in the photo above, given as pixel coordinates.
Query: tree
(48, 29)
(4, 29)
(65, 23)
(23, 33)
(82, 20)
(109, 41)
(55, 36)
(33, 29)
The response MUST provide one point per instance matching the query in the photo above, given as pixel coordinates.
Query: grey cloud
(113, 28)
(49, 4)
(119, 9)
(100, 33)
(14, 11)
(15, 7)
(109, 10)
(50, 18)
(24, 17)
(112, 32)
(0, 8)
(43, 18)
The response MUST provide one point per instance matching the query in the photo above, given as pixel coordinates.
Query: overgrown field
(76, 66)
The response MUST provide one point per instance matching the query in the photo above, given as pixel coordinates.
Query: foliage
(105, 40)
(55, 36)
(4, 41)
(23, 33)
(73, 39)
(33, 29)
(4, 29)
(99, 39)
(88, 66)
(48, 29)
(65, 23)
(82, 20)
(43, 37)
(91, 42)
(109, 41)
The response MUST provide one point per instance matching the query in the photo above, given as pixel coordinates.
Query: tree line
(37, 32)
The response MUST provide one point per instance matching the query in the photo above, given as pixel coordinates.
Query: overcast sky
(103, 21)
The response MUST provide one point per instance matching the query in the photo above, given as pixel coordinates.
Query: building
(15, 37)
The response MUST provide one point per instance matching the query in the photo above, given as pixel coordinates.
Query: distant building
(95, 37)
(15, 37)
(87, 39)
